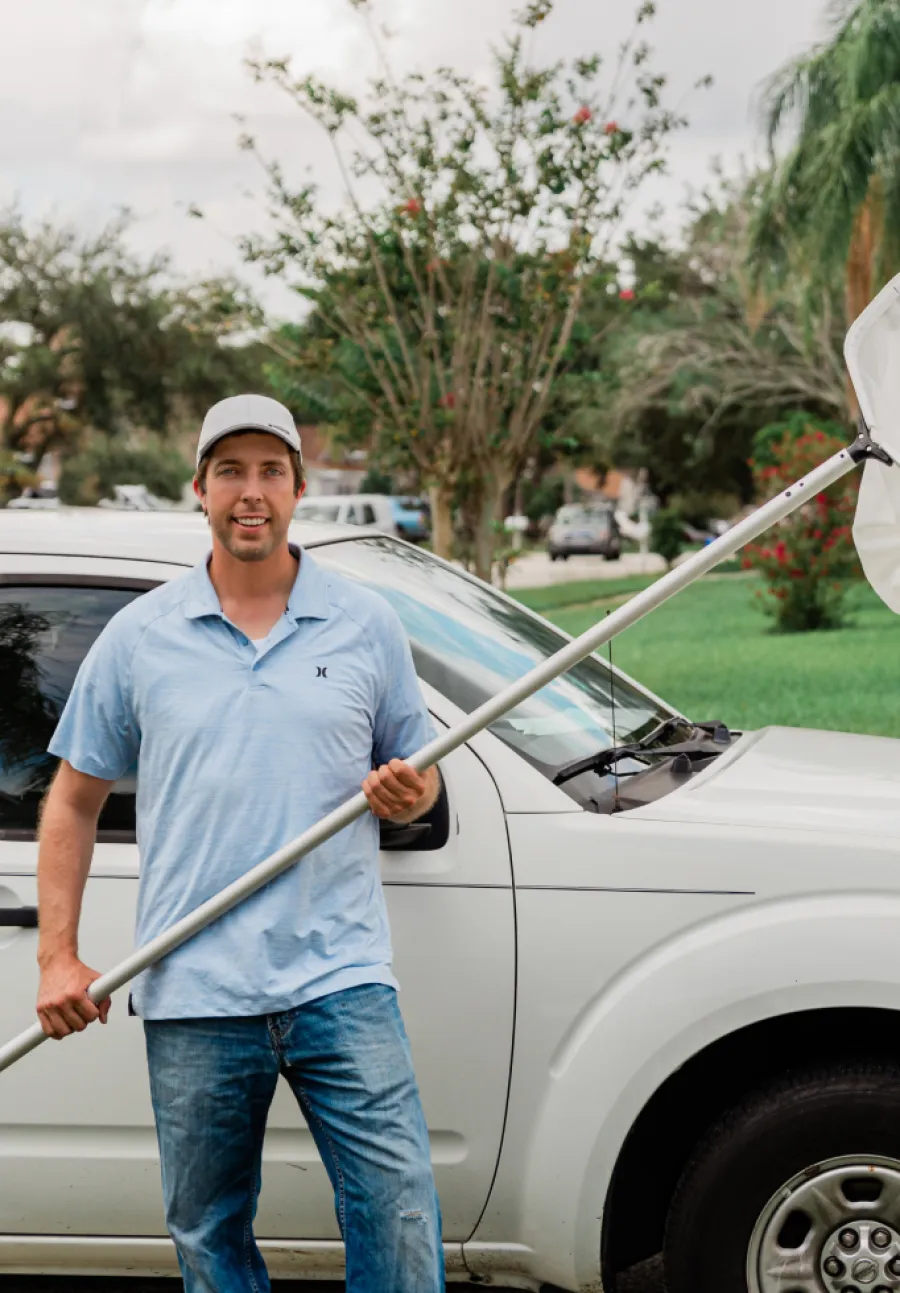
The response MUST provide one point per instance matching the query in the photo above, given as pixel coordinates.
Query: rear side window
(368, 512)
(45, 633)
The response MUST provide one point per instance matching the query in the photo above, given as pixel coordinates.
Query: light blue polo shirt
(240, 748)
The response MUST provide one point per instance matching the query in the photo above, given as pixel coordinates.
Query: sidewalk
(536, 570)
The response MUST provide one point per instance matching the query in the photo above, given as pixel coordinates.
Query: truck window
(45, 633)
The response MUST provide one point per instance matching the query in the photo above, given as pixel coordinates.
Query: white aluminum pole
(638, 606)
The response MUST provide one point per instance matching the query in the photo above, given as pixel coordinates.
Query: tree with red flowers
(446, 288)
(809, 559)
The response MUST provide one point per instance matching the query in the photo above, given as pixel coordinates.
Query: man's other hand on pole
(397, 792)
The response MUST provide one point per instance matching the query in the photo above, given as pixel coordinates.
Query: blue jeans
(347, 1060)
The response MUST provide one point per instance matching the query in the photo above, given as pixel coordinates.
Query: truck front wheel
(795, 1191)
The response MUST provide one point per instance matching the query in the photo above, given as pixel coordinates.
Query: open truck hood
(795, 779)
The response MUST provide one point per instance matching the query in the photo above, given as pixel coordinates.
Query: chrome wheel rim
(833, 1228)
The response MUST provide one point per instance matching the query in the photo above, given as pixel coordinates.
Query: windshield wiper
(713, 737)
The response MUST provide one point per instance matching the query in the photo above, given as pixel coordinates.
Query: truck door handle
(24, 917)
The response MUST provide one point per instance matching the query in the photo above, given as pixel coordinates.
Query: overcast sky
(106, 103)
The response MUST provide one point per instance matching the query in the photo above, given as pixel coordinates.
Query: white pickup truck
(653, 995)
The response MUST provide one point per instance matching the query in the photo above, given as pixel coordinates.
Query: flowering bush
(809, 559)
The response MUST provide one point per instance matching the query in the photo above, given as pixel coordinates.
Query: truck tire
(795, 1191)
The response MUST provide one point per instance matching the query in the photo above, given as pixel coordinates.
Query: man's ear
(300, 492)
(200, 492)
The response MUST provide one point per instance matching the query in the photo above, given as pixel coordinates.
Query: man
(256, 694)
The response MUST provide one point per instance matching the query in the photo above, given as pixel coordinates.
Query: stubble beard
(250, 551)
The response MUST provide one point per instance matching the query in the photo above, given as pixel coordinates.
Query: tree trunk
(519, 504)
(485, 537)
(441, 521)
(518, 537)
(487, 509)
(859, 274)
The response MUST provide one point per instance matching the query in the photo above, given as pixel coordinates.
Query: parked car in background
(584, 528)
(412, 517)
(403, 516)
(36, 497)
(372, 512)
(136, 498)
(649, 964)
(34, 502)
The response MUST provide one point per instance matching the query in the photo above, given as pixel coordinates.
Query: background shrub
(88, 476)
(667, 534)
(809, 559)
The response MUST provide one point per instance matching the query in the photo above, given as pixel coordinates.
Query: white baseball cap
(247, 413)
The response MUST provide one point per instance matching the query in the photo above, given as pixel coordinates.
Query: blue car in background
(412, 518)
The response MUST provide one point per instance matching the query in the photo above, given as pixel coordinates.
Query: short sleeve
(402, 723)
(97, 732)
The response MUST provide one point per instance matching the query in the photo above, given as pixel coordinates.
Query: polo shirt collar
(309, 596)
(308, 599)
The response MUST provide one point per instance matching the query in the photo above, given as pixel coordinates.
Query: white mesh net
(872, 351)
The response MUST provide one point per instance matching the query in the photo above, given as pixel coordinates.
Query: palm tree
(834, 199)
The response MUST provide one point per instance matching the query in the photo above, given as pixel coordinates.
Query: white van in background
(371, 512)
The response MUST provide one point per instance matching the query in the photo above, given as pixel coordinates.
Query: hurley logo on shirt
(320, 670)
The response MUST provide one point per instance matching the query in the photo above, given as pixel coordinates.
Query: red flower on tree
(611, 128)
(412, 207)
(626, 294)
(447, 401)
(582, 116)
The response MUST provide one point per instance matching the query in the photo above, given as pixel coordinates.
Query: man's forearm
(67, 836)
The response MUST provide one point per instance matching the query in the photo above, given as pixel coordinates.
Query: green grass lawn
(711, 652)
(556, 597)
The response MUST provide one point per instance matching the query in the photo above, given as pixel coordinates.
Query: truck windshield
(469, 642)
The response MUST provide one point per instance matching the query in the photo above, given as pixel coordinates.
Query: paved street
(645, 1280)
